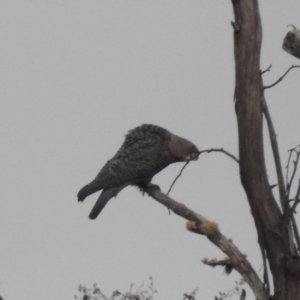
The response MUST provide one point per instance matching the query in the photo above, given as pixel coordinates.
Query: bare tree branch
(220, 150)
(289, 214)
(214, 262)
(287, 174)
(280, 78)
(226, 263)
(211, 231)
(266, 70)
(254, 178)
(177, 177)
(290, 182)
(297, 199)
(282, 190)
(291, 210)
(275, 150)
(266, 212)
(296, 233)
(289, 185)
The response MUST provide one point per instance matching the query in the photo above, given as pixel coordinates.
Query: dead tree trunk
(273, 237)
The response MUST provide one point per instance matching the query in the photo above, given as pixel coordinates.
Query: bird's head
(182, 149)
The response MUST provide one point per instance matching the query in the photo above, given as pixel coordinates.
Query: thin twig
(294, 224)
(262, 247)
(220, 150)
(292, 231)
(177, 178)
(296, 232)
(280, 78)
(288, 190)
(282, 190)
(294, 148)
(289, 212)
(296, 162)
(297, 200)
(275, 150)
(266, 274)
(287, 174)
(266, 70)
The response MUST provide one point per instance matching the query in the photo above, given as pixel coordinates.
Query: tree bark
(267, 215)
(201, 225)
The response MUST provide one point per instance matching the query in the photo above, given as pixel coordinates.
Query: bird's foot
(151, 188)
(148, 187)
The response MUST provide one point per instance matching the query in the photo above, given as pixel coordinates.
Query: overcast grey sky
(75, 76)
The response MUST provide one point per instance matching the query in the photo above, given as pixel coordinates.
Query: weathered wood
(291, 43)
(238, 260)
(267, 215)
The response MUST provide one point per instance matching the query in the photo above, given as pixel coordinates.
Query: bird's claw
(148, 187)
(152, 187)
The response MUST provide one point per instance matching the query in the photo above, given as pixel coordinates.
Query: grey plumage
(147, 150)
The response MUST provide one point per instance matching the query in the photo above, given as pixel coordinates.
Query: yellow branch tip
(207, 227)
(190, 225)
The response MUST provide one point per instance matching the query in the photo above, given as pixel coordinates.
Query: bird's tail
(104, 197)
(88, 190)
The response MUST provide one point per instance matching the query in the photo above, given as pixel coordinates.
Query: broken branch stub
(291, 43)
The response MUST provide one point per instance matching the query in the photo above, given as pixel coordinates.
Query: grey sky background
(75, 77)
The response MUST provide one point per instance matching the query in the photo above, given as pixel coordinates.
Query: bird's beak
(195, 156)
(191, 156)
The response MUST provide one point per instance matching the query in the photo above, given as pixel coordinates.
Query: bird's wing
(135, 160)
(126, 166)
